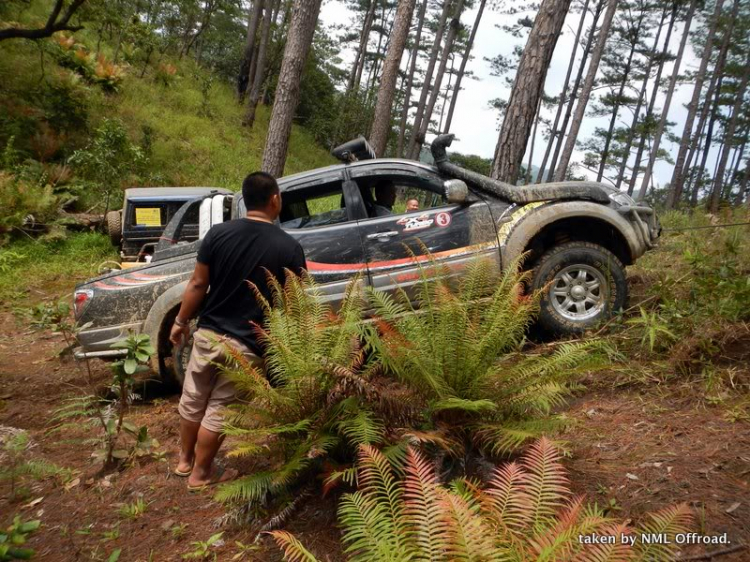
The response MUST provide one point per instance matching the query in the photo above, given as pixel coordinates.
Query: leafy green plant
(109, 160)
(526, 512)
(15, 464)
(322, 397)
(133, 510)
(109, 414)
(458, 349)
(13, 538)
(656, 332)
(202, 549)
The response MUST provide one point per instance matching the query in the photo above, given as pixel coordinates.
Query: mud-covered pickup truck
(579, 236)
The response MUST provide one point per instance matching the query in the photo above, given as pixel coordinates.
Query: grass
(42, 268)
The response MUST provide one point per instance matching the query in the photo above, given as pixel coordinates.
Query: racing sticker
(411, 224)
(443, 219)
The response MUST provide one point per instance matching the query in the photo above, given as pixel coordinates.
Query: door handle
(382, 235)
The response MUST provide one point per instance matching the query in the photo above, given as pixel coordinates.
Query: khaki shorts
(206, 391)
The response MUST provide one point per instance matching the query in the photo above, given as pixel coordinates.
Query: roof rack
(354, 150)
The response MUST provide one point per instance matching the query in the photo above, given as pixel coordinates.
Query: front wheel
(582, 285)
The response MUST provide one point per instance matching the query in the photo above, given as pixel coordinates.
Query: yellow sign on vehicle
(148, 216)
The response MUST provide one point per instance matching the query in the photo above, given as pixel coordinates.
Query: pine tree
(409, 79)
(382, 121)
(301, 29)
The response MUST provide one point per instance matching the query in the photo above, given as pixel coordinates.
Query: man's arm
(194, 294)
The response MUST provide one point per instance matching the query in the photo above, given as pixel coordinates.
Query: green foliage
(526, 512)
(472, 162)
(51, 265)
(317, 397)
(133, 510)
(654, 328)
(109, 414)
(457, 349)
(24, 203)
(14, 537)
(110, 159)
(202, 549)
(15, 464)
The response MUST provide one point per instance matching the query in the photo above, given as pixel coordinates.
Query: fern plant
(458, 346)
(527, 512)
(321, 398)
(15, 464)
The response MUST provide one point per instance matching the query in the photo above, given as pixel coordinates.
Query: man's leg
(204, 470)
(188, 438)
(196, 391)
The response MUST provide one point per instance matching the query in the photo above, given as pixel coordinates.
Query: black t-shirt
(236, 252)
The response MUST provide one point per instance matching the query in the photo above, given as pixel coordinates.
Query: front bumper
(645, 223)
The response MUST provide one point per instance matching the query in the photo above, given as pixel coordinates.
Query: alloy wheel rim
(578, 292)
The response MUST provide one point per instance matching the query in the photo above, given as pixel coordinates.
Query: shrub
(13, 538)
(457, 350)
(25, 203)
(321, 396)
(526, 512)
(326, 394)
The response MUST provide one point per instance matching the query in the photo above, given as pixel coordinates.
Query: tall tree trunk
(713, 203)
(413, 150)
(448, 89)
(527, 88)
(667, 102)
(359, 57)
(564, 92)
(260, 69)
(716, 82)
(454, 25)
(301, 30)
(678, 177)
(574, 92)
(637, 112)
(583, 98)
(604, 156)
(382, 121)
(743, 187)
(462, 68)
(527, 179)
(244, 77)
(410, 79)
(652, 101)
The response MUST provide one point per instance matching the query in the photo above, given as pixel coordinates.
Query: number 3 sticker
(443, 219)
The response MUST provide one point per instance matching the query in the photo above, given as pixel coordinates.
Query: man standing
(232, 255)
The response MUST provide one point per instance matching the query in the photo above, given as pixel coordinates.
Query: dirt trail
(634, 451)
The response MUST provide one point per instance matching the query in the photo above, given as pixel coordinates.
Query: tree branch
(53, 24)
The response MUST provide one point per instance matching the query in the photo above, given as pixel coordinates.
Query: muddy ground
(632, 449)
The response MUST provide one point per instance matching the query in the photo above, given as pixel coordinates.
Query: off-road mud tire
(114, 227)
(555, 260)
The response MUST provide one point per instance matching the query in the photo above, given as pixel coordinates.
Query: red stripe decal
(346, 267)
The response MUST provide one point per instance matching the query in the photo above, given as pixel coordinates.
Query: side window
(320, 205)
(395, 195)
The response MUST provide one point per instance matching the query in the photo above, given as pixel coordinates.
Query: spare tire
(114, 227)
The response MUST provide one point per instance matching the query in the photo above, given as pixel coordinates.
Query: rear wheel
(114, 227)
(583, 285)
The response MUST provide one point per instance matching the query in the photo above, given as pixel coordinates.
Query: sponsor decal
(443, 219)
(411, 224)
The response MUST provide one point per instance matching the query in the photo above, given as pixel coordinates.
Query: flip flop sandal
(183, 474)
(220, 470)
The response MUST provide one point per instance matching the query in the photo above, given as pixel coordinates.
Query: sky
(476, 124)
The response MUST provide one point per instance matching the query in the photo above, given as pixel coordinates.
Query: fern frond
(469, 538)
(362, 429)
(293, 549)
(423, 508)
(507, 502)
(463, 404)
(252, 488)
(546, 486)
(668, 521)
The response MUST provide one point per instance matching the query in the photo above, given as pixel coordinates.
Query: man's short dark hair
(257, 190)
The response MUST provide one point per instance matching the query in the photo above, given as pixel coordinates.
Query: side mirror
(456, 191)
